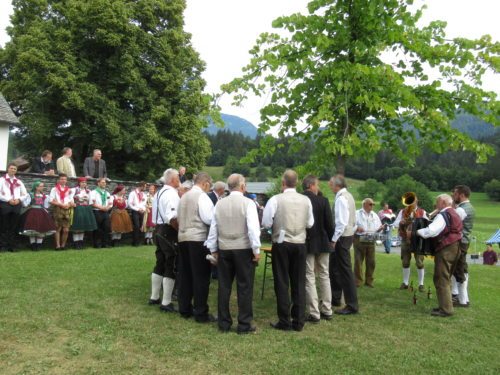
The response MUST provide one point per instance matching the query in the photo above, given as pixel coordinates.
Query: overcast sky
(224, 31)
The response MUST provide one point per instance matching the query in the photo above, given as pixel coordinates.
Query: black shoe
(207, 319)
(154, 302)
(252, 329)
(33, 246)
(345, 311)
(225, 330)
(440, 313)
(312, 319)
(280, 326)
(168, 308)
(326, 317)
(458, 304)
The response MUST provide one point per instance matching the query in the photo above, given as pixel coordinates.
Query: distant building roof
(6, 114)
(259, 187)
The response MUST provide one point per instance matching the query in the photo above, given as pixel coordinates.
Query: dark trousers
(9, 223)
(341, 269)
(462, 268)
(137, 218)
(103, 228)
(239, 264)
(166, 250)
(289, 269)
(194, 280)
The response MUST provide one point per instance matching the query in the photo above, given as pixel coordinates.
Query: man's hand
(174, 223)
(215, 255)
(256, 258)
(332, 245)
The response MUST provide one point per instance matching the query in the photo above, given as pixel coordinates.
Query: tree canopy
(360, 76)
(112, 74)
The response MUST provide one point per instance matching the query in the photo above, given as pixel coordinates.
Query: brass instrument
(409, 200)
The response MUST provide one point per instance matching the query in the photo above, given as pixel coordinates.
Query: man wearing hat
(102, 202)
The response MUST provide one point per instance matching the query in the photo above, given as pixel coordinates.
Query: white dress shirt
(135, 203)
(341, 215)
(252, 225)
(272, 207)
(369, 222)
(19, 191)
(68, 198)
(165, 205)
(434, 228)
(461, 212)
(95, 198)
(205, 206)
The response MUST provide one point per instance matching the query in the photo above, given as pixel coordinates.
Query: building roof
(259, 187)
(6, 114)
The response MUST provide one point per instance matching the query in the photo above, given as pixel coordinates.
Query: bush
(370, 189)
(492, 188)
(395, 189)
(233, 165)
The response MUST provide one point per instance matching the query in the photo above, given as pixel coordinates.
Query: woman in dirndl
(120, 218)
(37, 222)
(83, 216)
(148, 226)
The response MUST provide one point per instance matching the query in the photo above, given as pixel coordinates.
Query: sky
(223, 31)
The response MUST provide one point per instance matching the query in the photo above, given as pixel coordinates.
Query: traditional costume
(83, 217)
(137, 204)
(11, 188)
(101, 201)
(120, 219)
(148, 227)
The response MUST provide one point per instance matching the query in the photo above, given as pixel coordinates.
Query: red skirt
(38, 222)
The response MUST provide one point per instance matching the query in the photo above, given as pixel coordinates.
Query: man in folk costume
(61, 198)
(460, 278)
(137, 200)
(164, 214)
(234, 240)
(83, 217)
(12, 194)
(403, 221)
(446, 229)
(195, 217)
(289, 214)
(102, 203)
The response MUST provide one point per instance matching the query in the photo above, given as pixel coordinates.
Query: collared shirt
(461, 212)
(434, 228)
(272, 207)
(5, 194)
(165, 205)
(400, 217)
(135, 203)
(54, 196)
(341, 214)
(252, 225)
(369, 222)
(95, 198)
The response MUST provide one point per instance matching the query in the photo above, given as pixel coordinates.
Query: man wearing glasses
(368, 223)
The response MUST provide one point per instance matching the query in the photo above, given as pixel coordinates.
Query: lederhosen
(166, 245)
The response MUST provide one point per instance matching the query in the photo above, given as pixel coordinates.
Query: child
(120, 219)
(38, 223)
(148, 226)
(83, 217)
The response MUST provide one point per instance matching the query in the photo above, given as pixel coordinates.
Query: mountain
(234, 124)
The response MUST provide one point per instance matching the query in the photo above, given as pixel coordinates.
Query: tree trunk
(340, 164)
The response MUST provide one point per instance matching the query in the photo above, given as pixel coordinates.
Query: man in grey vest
(460, 278)
(341, 275)
(234, 240)
(289, 214)
(195, 216)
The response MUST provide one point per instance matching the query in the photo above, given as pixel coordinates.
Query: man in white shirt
(102, 203)
(234, 240)
(368, 223)
(341, 276)
(195, 216)
(61, 198)
(12, 194)
(164, 215)
(137, 203)
(289, 214)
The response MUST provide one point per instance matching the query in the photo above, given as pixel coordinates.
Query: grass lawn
(86, 313)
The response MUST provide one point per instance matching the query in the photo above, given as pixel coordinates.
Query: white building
(7, 119)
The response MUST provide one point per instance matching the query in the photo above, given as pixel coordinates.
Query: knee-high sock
(32, 239)
(406, 275)
(454, 286)
(155, 286)
(39, 239)
(421, 274)
(463, 295)
(168, 287)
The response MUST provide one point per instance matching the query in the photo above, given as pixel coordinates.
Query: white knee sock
(32, 239)
(116, 236)
(454, 286)
(168, 287)
(463, 295)
(155, 286)
(421, 274)
(39, 239)
(406, 276)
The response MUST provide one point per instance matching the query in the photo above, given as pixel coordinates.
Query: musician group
(193, 233)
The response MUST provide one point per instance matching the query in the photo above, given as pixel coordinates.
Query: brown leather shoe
(440, 313)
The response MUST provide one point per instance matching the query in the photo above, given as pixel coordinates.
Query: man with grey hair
(217, 192)
(341, 276)
(368, 223)
(94, 166)
(164, 215)
(446, 228)
(234, 241)
(195, 217)
(289, 214)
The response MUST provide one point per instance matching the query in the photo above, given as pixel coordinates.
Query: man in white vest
(195, 216)
(234, 240)
(289, 214)
(341, 275)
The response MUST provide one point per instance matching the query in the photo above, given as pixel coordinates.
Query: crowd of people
(196, 227)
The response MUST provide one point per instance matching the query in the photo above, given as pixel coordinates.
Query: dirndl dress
(37, 220)
(83, 216)
(147, 222)
(120, 219)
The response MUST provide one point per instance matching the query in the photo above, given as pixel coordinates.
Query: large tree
(359, 76)
(120, 75)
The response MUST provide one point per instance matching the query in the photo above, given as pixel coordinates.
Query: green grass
(86, 313)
